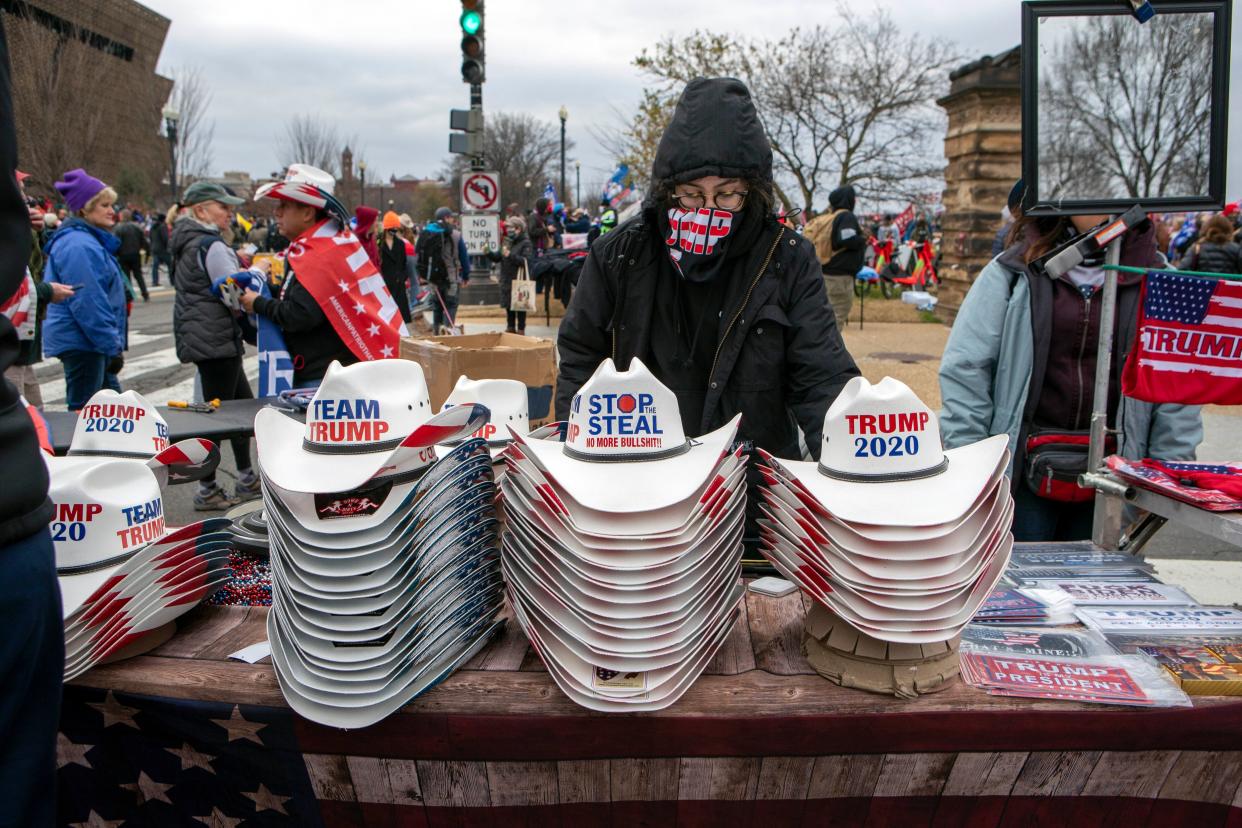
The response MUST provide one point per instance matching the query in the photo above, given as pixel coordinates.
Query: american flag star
(148, 790)
(96, 821)
(239, 728)
(115, 713)
(373, 330)
(386, 351)
(191, 758)
(343, 285)
(218, 819)
(265, 800)
(71, 753)
(359, 308)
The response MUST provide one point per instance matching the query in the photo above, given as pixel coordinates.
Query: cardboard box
(527, 359)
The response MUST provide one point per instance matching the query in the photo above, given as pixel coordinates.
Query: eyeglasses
(722, 201)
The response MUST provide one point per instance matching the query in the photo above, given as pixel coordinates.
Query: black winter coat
(520, 250)
(393, 269)
(780, 361)
(1209, 257)
(203, 327)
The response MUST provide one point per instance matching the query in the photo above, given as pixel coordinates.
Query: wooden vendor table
(234, 418)
(183, 732)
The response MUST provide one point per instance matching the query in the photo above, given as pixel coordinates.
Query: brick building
(86, 93)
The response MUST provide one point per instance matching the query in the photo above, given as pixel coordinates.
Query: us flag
(1188, 348)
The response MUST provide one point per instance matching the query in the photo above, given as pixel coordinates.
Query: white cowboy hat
(306, 185)
(119, 425)
(365, 420)
(506, 400)
(625, 434)
(882, 461)
(105, 513)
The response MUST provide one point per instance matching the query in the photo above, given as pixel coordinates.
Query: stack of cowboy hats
(622, 547)
(896, 536)
(385, 575)
(122, 573)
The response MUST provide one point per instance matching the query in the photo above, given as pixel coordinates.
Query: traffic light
(470, 140)
(472, 41)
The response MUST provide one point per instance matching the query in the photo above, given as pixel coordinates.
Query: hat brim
(668, 521)
(627, 487)
(928, 501)
(287, 463)
(79, 591)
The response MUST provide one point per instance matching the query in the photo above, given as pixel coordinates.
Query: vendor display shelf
(759, 737)
(1224, 526)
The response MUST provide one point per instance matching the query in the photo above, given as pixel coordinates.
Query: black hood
(714, 130)
(842, 198)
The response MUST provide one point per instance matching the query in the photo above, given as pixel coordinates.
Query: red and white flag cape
(20, 308)
(331, 263)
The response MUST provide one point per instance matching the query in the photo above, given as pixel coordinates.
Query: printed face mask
(696, 241)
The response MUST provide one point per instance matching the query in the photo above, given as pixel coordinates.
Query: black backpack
(430, 251)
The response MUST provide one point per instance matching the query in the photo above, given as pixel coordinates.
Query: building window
(67, 29)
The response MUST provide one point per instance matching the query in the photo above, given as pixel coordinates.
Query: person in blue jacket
(88, 331)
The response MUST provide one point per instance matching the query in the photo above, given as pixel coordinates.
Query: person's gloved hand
(115, 364)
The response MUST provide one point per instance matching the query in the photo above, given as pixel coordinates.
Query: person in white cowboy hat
(724, 304)
(333, 305)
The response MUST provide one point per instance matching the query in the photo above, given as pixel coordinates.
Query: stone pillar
(983, 146)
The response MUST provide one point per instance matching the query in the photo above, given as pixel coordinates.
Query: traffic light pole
(476, 105)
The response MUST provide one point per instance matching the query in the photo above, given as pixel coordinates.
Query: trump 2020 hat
(882, 461)
(119, 425)
(625, 450)
(366, 420)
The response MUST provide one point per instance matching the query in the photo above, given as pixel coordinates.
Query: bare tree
(521, 148)
(632, 140)
(848, 105)
(60, 119)
(191, 97)
(1124, 109)
(309, 139)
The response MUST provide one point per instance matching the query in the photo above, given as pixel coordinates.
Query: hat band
(83, 569)
(891, 477)
(137, 455)
(663, 454)
(363, 448)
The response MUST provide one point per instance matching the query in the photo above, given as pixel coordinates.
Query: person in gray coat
(205, 331)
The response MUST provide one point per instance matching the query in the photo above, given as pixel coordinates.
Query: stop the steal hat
(882, 461)
(366, 420)
(625, 450)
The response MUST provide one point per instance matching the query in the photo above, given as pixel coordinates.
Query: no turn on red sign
(481, 232)
(480, 192)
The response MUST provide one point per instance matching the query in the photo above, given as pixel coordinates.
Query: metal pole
(362, 186)
(172, 160)
(1107, 517)
(478, 162)
(577, 184)
(1104, 359)
(562, 159)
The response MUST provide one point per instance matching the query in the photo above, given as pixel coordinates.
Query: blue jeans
(158, 259)
(1038, 519)
(32, 657)
(85, 373)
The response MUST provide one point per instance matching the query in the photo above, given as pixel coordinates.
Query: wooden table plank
(522, 783)
(1055, 773)
(843, 776)
(718, 778)
(737, 654)
(1137, 774)
(984, 774)
(584, 781)
(1204, 776)
(913, 774)
(200, 628)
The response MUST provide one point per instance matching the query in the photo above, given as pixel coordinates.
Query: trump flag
(1188, 348)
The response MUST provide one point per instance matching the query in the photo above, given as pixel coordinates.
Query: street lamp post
(528, 204)
(171, 116)
(577, 183)
(362, 182)
(564, 113)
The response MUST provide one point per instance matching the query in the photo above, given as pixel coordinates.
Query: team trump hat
(365, 419)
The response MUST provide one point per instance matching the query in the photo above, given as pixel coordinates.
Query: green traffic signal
(471, 22)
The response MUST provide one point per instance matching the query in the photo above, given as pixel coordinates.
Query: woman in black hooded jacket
(724, 304)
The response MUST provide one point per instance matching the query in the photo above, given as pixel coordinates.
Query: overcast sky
(388, 71)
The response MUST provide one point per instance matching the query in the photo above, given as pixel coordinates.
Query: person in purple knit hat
(88, 331)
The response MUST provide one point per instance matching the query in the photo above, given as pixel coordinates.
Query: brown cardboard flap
(527, 359)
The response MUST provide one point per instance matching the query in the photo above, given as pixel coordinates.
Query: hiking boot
(213, 501)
